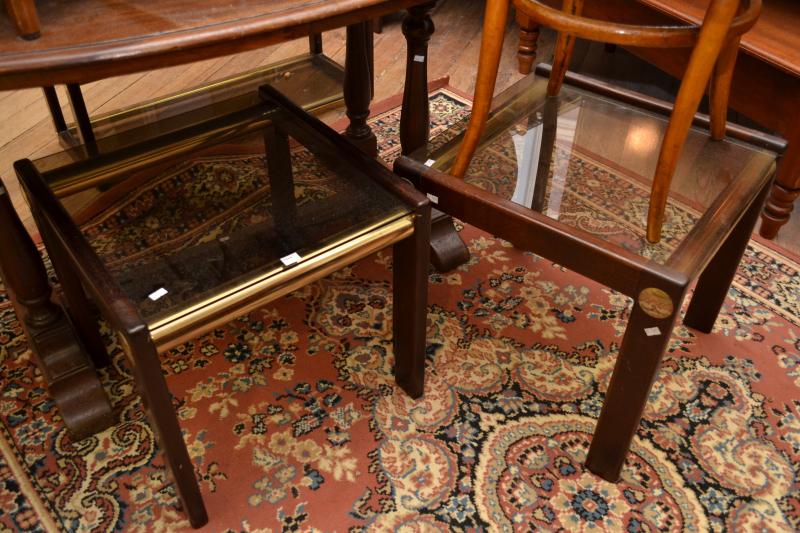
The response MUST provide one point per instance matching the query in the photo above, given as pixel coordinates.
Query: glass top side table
(569, 178)
(204, 224)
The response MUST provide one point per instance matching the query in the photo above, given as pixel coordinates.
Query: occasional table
(568, 178)
(244, 219)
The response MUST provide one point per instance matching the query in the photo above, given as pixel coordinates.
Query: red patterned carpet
(293, 421)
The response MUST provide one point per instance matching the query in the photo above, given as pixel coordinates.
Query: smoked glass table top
(221, 206)
(588, 162)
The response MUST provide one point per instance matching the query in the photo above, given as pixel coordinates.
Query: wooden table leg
(23, 14)
(409, 314)
(715, 281)
(655, 310)
(70, 376)
(358, 88)
(786, 188)
(157, 403)
(447, 249)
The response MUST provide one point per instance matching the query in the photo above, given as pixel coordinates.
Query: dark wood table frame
(64, 350)
(710, 253)
(80, 268)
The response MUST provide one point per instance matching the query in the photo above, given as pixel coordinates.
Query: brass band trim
(180, 327)
(214, 86)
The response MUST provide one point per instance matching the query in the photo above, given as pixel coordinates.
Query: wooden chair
(716, 43)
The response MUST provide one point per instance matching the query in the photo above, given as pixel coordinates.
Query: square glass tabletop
(588, 162)
(186, 217)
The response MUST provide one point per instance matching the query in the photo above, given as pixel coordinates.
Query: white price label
(155, 295)
(291, 259)
(652, 332)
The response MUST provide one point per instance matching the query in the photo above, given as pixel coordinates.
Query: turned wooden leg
(157, 403)
(714, 282)
(655, 310)
(447, 249)
(358, 88)
(528, 42)
(410, 272)
(68, 372)
(415, 119)
(23, 14)
(786, 188)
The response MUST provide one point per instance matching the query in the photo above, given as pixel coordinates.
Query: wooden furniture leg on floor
(715, 281)
(358, 88)
(447, 249)
(68, 371)
(786, 189)
(23, 14)
(158, 404)
(410, 295)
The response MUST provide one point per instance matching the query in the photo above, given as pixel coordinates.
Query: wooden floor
(28, 132)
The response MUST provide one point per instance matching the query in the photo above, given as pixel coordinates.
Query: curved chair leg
(528, 37)
(563, 50)
(494, 27)
(719, 89)
(709, 43)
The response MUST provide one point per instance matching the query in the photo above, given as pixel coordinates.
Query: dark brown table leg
(409, 316)
(447, 249)
(157, 402)
(358, 88)
(786, 188)
(71, 379)
(655, 311)
(712, 287)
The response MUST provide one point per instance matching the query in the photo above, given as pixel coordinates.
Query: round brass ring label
(656, 303)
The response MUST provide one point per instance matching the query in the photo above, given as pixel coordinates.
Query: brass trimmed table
(273, 219)
(90, 40)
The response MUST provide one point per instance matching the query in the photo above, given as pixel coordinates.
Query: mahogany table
(93, 39)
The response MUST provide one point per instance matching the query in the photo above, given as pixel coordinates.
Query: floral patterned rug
(293, 421)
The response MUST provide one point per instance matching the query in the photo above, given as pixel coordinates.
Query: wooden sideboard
(766, 81)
